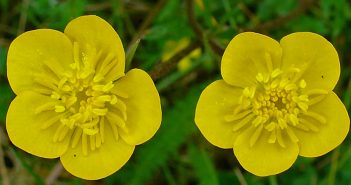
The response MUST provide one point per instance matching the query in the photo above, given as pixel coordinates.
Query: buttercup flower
(275, 101)
(74, 100)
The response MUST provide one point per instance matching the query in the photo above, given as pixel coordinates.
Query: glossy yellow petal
(24, 126)
(247, 54)
(37, 54)
(143, 106)
(263, 158)
(314, 56)
(97, 40)
(101, 162)
(330, 134)
(216, 102)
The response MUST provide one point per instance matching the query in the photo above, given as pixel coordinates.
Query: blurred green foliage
(179, 154)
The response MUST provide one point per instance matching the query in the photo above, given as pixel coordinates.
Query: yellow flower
(74, 100)
(275, 101)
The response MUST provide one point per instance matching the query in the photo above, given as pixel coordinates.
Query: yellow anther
(259, 77)
(71, 101)
(271, 126)
(55, 95)
(98, 78)
(283, 82)
(303, 106)
(302, 84)
(290, 87)
(293, 119)
(282, 123)
(246, 92)
(108, 87)
(100, 112)
(90, 131)
(62, 82)
(67, 88)
(59, 108)
(276, 73)
(113, 100)
(103, 98)
(98, 87)
(275, 84)
(257, 121)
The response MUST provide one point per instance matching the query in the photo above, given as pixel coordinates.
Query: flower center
(277, 104)
(84, 101)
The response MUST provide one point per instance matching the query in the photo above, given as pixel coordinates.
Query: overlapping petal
(217, 101)
(24, 126)
(314, 56)
(35, 53)
(97, 39)
(101, 162)
(330, 134)
(143, 106)
(247, 54)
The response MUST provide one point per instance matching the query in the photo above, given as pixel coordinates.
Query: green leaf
(203, 166)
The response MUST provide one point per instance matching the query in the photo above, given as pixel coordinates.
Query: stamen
(316, 92)
(85, 144)
(316, 116)
(51, 121)
(92, 142)
(280, 138)
(316, 100)
(268, 59)
(58, 132)
(76, 137)
(309, 125)
(98, 140)
(292, 135)
(102, 129)
(234, 117)
(273, 137)
(45, 107)
(63, 133)
(59, 108)
(243, 122)
(115, 130)
(256, 135)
